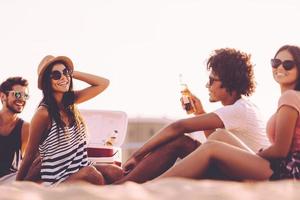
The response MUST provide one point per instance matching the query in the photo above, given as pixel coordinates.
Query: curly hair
(234, 70)
(295, 52)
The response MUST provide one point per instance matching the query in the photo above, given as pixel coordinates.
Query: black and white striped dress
(63, 154)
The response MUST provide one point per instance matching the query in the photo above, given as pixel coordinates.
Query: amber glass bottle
(187, 101)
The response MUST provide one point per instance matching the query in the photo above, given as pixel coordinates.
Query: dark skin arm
(200, 111)
(207, 121)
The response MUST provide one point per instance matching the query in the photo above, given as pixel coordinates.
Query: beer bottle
(112, 139)
(187, 101)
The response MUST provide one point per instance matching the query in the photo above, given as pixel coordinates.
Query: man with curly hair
(231, 80)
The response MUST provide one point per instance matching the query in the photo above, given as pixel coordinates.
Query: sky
(142, 46)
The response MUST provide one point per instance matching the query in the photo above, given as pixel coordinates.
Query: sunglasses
(286, 64)
(56, 74)
(19, 95)
(211, 80)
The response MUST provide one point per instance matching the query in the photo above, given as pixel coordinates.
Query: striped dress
(63, 153)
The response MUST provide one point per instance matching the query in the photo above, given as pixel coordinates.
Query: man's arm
(200, 111)
(202, 122)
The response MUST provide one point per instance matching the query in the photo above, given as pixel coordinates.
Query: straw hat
(49, 59)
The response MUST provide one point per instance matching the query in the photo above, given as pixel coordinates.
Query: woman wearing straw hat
(57, 130)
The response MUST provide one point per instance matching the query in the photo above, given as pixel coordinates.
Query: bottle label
(185, 100)
(188, 104)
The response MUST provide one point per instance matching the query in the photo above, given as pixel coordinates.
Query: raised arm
(97, 85)
(38, 125)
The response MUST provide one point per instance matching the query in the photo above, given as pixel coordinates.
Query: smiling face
(286, 78)
(15, 100)
(60, 78)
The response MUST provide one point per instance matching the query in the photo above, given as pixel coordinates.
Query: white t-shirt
(244, 119)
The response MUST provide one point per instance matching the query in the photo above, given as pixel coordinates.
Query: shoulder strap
(18, 128)
(43, 104)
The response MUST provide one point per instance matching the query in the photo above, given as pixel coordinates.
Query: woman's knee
(112, 173)
(211, 147)
(225, 136)
(218, 135)
(87, 170)
(92, 175)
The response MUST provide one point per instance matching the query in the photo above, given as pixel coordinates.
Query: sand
(170, 188)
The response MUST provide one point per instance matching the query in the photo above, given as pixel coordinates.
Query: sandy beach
(171, 188)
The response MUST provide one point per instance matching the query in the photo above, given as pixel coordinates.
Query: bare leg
(89, 174)
(214, 172)
(161, 159)
(229, 138)
(235, 162)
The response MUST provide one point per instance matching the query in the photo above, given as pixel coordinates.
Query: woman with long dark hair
(57, 130)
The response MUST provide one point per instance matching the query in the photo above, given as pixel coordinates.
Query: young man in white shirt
(231, 78)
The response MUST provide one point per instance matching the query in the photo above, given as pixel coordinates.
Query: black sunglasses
(56, 74)
(19, 95)
(286, 64)
(211, 80)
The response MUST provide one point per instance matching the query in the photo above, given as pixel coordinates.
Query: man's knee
(184, 144)
(184, 141)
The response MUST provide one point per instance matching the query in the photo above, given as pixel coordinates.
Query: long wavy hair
(295, 52)
(67, 101)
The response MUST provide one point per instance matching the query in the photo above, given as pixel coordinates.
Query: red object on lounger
(106, 132)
